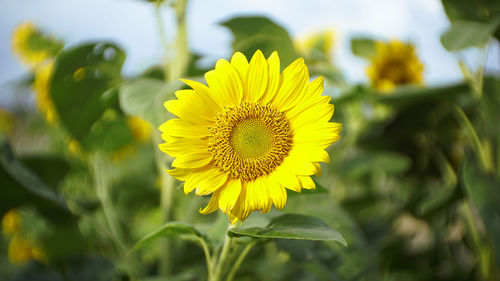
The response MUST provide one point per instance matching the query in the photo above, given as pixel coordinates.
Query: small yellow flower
(41, 86)
(140, 128)
(32, 46)
(317, 46)
(249, 135)
(395, 63)
(11, 222)
(22, 249)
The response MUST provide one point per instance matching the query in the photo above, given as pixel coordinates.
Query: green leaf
(24, 184)
(145, 98)
(81, 79)
(108, 135)
(254, 33)
(363, 47)
(465, 34)
(169, 229)
(483, 190)
(292, 226)
(474, 10)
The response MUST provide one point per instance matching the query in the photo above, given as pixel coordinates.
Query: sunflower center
(250, 140)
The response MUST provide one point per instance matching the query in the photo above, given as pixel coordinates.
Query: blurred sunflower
(22, 249)
(32, 46)
(11, 222)
(395, 63)
(41, 86)
(250, 134)
(141, 130)
(316, 46)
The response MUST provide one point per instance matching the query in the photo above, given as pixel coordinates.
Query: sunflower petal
(256, 80)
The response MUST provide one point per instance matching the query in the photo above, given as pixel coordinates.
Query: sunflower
(250, 134)
(11, 222)
(395, 63)
(22, 249)
(32, 46)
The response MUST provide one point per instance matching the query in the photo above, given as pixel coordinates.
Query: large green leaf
(292, 226)
(20, 184)
(465, 34)
(254, 33)
(174, 228)
(475, 10)
(483, 190)
(145, 98)
(80, 84)
(108, 134)
(363, 47)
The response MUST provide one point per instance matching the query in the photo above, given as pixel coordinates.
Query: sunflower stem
(224, 254)
(240, 259)
(102, 182)
(163, 38)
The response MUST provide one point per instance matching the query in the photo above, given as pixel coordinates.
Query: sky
(131, 24)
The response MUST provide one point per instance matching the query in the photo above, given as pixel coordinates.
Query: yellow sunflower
(250, 134)
(395, 63)
(33, 46)
(11, 222)
(22, 249)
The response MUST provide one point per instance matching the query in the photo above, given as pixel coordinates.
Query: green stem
(208, 258)
(240, 259)
(102, 190)
(222, 258)
(483, 157)
(163, 38)
(166, 204)
(102, 182)
(482, 249)
(178, 66)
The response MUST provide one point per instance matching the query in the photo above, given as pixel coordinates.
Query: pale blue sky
(131, 24)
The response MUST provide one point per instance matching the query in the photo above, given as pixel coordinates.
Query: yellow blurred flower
(22, 249)
(141, 129)
(41, 87)
(6, 121)
(316, 46)
(394, 63)
(32, 46)
(11, 222)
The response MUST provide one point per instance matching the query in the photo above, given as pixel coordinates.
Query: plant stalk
(240, 260)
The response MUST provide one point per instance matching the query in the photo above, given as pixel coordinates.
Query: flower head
(11, 222)
(32, 46)
(22, 249)
(394, 63)
(141, 130)
(249, 135)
